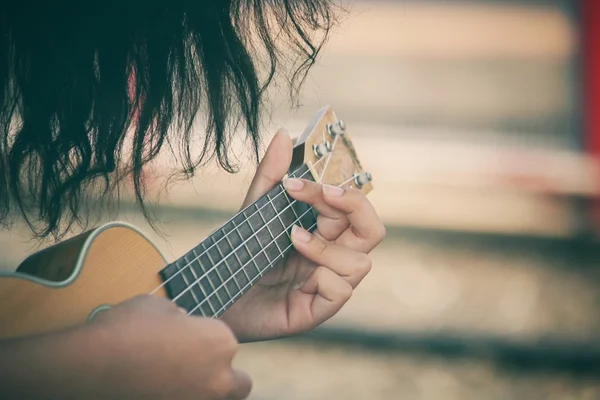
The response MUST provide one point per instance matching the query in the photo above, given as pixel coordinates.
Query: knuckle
(381, 232)
(222, 335)
(231, 345)
(357, 198)
(320, 274)
(227, 338)
(222, 384)
(309, 189)
(365, 263)
(345, 291)
(320, 247)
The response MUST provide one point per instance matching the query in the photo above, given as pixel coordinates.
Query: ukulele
(68, 283)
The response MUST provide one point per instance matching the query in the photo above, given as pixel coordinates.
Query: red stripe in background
(590, 29)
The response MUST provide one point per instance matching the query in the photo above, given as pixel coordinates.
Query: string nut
(362, 179)
(338, 128)
(322, 149)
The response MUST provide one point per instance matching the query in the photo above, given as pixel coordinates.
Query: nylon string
(184, 267)
(214, 292)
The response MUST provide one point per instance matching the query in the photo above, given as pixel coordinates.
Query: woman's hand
(319, 276)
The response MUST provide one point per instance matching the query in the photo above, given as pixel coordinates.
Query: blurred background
(477, 120)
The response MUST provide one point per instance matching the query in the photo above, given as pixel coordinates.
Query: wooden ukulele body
(62, 285)
(65, 284)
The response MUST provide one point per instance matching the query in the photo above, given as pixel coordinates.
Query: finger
(330, 292)
(330, 221)
(367, 229)
(349, 264)
(242, 386)
(330, 229)
(272, 168)
(220, 335)
(311, 193)
(144, 303)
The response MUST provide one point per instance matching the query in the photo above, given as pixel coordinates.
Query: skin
(147, 348)
(318, 278)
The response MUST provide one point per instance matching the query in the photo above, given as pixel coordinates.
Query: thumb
(272, 168)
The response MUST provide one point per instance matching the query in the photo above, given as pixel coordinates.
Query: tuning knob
(362, 179)
(322, 149)
(337, 128)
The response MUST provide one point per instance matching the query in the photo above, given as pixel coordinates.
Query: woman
(78, 82)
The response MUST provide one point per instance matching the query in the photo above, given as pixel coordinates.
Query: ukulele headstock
(329, 153)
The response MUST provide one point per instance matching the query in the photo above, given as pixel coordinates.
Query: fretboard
(208, 279)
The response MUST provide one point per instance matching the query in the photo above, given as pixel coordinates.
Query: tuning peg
(322, 149)
(362, 179)
(337, 128)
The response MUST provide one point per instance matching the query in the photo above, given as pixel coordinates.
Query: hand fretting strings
(226, 234)
(241, 290)
(242, 267)
(252, 281)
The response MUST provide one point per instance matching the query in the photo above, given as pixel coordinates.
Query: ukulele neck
(208, 279)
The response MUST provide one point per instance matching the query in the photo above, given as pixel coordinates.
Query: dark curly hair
(79, 80)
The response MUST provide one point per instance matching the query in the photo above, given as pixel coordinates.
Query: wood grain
(119, 264)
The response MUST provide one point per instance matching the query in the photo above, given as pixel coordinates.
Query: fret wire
(246, 245)
(254, 261)
(200, 285)
(207, 276)
(266, 256)
(269, 229)
(253, 235)
(196, 275)
(224, 307)
(270, 201)
(235, 252)
(263, 248)
(187, 283)
(231, 219)
(215, 290)
(251, 282)
(228, 269)
(290, 200)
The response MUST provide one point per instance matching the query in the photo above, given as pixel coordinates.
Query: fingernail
(333, 190)
(300, 234)
(293, 184)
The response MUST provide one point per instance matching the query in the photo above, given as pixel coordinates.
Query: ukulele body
(63, 285)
